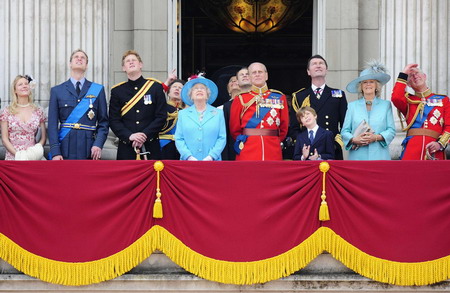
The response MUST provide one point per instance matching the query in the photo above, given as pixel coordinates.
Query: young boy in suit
(314, 142)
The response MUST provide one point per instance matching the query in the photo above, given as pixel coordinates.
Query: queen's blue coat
(200, 138)
(77, 144)
(382, 122)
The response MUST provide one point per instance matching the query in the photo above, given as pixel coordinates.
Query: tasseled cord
(324, 214)
(157, 207)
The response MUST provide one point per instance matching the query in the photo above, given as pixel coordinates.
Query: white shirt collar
(314, 129)
(316, 87)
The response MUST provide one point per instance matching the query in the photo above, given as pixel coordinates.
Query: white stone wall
(141, 25)
(417, 32)
(39, 36)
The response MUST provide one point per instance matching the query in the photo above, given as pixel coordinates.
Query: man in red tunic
(427, 116)
(259, 119)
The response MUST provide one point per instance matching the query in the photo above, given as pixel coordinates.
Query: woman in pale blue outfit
(200, 133)
(369, 112)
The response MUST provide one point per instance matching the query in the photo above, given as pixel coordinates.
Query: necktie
(318, 93)
(78, 88)
(311, 136)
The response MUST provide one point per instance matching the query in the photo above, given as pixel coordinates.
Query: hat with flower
(193, 80)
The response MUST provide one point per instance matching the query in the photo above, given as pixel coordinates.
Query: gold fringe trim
(239, 273)
(381, 270)
(77, 273)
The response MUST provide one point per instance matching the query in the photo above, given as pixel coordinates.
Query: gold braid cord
(157, 207)
(324, 214)
(419, 109)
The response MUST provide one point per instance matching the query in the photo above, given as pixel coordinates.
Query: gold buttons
(326, 117)
(137, 122)
(137, 111)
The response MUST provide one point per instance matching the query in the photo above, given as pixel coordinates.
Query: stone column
(415, 32)
(39, 36)
(141, 25)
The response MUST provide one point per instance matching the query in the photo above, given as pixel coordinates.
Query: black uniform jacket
(147, 117)
(330, 108)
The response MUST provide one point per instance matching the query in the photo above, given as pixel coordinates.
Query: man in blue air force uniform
(77, 115)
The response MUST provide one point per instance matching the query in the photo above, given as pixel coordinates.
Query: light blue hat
(374, 70)
(207, 82)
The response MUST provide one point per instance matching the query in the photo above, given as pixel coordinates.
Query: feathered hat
(374, 70)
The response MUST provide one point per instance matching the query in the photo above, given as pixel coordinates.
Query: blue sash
(254, 121)
(164, 142)
(80, 109)
(418, 123)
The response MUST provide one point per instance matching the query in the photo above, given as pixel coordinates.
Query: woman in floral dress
(20, 123)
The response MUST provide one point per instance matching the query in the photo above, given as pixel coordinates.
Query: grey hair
(208, 91)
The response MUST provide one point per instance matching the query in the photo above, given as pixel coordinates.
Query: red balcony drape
(81, 222)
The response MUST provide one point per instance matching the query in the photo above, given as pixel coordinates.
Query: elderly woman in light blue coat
(371, 114)
(201, 132)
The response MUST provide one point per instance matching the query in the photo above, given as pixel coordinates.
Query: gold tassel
(157, 207)
(324, 214)
(138, 154)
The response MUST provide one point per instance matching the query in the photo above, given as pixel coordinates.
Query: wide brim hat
(221, 77)
(207, 82)
(375, 71)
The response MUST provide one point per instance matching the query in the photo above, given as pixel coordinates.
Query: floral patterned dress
(21, 134)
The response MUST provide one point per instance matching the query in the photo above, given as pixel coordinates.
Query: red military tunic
(427, 117)
(261, 117)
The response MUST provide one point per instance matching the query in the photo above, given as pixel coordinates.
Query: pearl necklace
(23, 106)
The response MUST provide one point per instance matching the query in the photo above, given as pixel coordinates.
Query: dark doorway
(209, 46)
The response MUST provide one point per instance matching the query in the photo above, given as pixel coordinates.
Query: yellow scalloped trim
(381, 270)
(238, 273)
(78, 273)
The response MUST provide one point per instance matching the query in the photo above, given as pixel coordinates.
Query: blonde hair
(377, 90)
(15, 98)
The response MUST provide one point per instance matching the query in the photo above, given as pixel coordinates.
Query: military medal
(147, 99)
(241, 145)
(336, 93)
(91, 114)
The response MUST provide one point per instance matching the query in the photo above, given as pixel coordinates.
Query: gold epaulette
(276, 91)
(150, 78)
(295, 101)
(116, 85)
(338, 139)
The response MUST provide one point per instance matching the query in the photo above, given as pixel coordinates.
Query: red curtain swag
(82, 222)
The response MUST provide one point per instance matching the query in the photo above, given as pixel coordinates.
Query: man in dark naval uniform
(77, 115)
(329, 103)
(137, 111)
